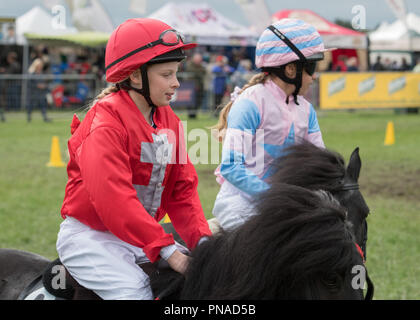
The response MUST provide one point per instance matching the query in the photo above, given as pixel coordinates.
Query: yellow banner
(369, 90)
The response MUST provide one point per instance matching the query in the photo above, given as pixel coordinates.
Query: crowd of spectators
(52, 89)
(215, 73)
(349, 64)
(391, 65)
(224, 74)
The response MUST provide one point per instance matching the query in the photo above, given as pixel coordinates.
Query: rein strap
(349, 186)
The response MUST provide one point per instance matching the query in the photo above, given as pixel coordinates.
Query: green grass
(31, 193)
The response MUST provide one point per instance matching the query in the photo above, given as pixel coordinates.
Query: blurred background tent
(37, 26)
(90, 24)
(90, 16)
(398, 39)
(82, 38)
(399, 35)
(204, 25)
(86, 24)
(38, 21)
(349, 43)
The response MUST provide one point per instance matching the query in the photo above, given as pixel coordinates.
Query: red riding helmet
(138, 41)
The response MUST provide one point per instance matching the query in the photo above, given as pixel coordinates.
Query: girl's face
(162, 82)
(306, 78)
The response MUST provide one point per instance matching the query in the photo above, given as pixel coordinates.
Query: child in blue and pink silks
(266, 116)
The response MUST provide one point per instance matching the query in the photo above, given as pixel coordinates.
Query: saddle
(57, 283)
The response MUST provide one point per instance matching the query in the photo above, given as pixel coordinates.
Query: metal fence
(27, 91)
(65, 91)
(71, 91)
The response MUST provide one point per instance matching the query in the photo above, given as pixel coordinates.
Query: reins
(370, 286)
(348, 187)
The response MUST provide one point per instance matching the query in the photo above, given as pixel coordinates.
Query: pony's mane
(298, 236)
(309, 166)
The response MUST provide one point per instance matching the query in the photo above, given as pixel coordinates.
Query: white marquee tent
(204, 25)
(37, 20)
(397, 36)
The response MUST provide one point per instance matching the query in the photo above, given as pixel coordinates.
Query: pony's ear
(353, 169)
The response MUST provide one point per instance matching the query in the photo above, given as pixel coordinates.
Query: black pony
(314, 168)
(302, 244)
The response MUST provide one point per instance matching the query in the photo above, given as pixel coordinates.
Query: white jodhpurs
(232, 208)
(102, 262)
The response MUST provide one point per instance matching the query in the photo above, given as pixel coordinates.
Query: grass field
(31, 193)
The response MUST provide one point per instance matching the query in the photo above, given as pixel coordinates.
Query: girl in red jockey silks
(128, 168)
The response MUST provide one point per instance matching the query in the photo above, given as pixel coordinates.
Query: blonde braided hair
(107, 91)
(111, 89)
(221, 125)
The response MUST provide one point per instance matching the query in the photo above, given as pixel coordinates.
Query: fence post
(25, 65)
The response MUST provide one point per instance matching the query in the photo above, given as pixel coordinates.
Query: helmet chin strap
(280, 72)
(296, 81)
(144, 91)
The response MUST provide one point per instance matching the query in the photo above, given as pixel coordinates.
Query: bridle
(348, 187)
(370, 286)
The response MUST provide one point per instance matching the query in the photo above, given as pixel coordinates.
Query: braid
(106, 91)
(221, 126)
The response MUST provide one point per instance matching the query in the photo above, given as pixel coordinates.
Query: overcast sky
(376, 10)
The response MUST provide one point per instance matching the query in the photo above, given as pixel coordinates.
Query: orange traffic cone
(389, 134)
(55, 156)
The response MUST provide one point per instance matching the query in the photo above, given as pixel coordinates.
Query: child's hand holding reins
(178, 261)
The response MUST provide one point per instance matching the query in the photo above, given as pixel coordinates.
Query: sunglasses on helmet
(168, 37)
